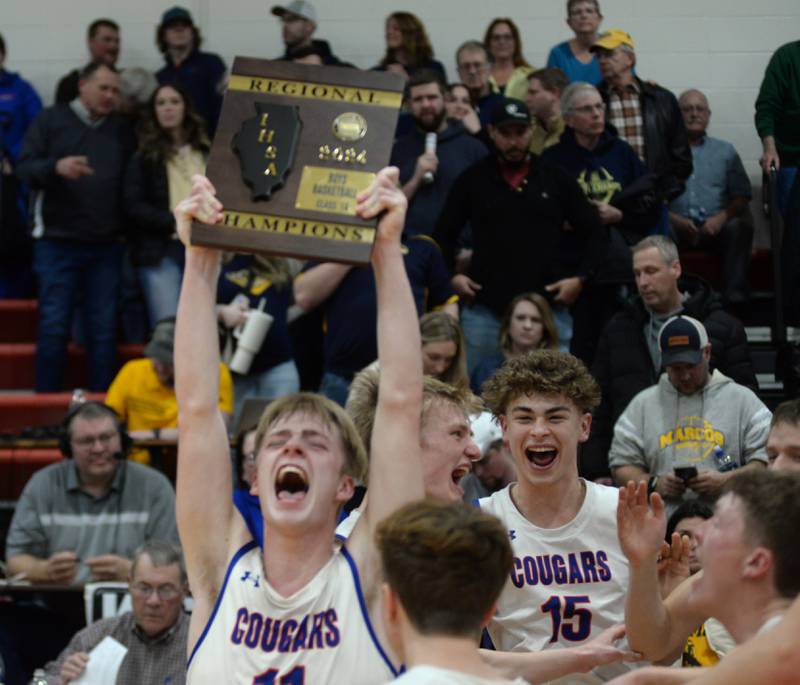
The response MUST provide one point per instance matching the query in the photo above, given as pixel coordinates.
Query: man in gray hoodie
(669, 432)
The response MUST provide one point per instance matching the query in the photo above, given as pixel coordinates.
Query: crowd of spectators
(548, 216)
(105, 245)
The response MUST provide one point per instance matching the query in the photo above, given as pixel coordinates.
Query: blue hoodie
(19, 105)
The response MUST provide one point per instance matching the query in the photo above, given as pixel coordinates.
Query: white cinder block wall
(718, 46)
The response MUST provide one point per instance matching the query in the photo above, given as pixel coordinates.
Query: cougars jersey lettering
(321, 634)
(567, 584)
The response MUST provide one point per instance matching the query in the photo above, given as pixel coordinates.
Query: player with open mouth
(570, 577)
(295, 608)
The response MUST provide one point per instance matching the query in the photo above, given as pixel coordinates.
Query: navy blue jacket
(89, 209)
(202, 74)
(603, 172)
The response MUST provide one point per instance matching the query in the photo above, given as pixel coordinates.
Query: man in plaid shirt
(645, 115)
(154, 633)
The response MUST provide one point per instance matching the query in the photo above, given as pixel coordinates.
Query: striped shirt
(54, 514)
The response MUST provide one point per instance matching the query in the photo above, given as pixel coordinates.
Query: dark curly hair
(542, 372)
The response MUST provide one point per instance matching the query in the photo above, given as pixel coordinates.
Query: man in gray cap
(298, 23)
(143, 393)
(676, 433)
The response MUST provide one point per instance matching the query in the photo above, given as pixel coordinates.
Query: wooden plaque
(294, 146)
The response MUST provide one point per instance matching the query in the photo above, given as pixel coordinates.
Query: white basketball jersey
(321, 634)
(567, 584)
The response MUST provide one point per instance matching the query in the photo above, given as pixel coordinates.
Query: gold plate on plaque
(349, 126)
(334, 191)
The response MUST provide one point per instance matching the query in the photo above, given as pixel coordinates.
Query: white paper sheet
(104, 662)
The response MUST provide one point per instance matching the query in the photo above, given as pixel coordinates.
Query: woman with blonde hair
(509, 69)
(528, 324)
(444, 354)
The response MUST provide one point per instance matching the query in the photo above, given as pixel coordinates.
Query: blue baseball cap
(682, 340)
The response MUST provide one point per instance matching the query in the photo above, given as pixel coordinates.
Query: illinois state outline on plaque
(266, 145)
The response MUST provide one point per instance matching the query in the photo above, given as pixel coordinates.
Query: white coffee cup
(251, 336)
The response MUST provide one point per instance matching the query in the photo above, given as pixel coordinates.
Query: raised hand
(384, 195)
(641, 527)
(673, 563)
(201, 204)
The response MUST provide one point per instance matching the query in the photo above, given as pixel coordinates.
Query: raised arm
(655, 627)
(395, 476)
(204, 508)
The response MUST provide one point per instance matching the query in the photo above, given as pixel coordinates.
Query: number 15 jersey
(567, 584)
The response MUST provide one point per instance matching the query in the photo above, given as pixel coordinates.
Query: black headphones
(65, 438)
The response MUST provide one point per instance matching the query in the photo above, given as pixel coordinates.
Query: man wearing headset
(82, 518)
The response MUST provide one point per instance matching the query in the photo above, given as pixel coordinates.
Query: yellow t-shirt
(144, 403)
(698, 650)
(517, 84)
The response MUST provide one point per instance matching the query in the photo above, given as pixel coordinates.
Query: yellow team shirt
(707, 645)
(144, 403)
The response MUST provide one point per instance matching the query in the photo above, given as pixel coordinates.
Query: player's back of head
(771, 501)
(447, 563)
(327, 411)
(542, 372)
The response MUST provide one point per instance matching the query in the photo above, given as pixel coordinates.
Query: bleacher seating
(20, 407)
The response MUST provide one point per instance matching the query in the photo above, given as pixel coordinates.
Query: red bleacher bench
(20, 318)
(21, 411)
(18, 364)
(17, 465)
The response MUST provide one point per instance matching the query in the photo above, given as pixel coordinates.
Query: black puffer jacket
(623, 366)
(146, 195)
(667, 151)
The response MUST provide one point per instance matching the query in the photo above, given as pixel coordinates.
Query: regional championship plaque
(294, 147)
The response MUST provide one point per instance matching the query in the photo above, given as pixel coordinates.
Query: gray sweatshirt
(662, 428)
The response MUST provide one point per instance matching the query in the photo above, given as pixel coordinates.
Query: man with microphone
(433, 155)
